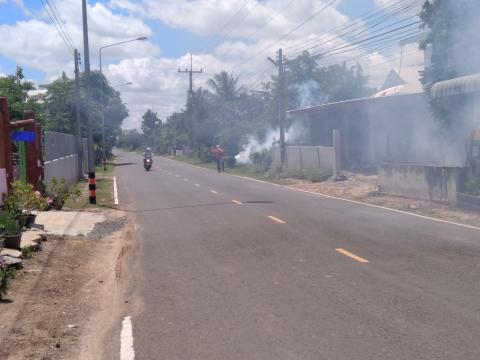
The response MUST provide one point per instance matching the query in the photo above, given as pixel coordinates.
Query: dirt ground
(364, 188)
(55, 302)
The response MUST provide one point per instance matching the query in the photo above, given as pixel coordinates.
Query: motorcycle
(147, 163)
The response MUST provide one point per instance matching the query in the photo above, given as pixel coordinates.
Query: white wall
(306, 157)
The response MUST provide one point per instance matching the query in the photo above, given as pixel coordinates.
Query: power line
(367, 39)
(273, 17)
(61, 20)
(357, 25)
(62, 35)
(367, 23)
(288, 33)
(238, 23)
(224, 26)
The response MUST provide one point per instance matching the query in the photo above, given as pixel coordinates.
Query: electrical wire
(61, 20)
(224, 26)
(62, 35)
(288, 33)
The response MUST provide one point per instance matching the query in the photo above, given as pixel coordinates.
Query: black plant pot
(12, 241)
(30, 220)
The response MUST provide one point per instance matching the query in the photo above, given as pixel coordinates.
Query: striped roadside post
(92, 188)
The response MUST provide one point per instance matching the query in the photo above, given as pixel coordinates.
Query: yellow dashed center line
(353, 256)
(280, 221)
(237, 202)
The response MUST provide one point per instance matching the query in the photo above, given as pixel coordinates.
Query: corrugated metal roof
(345, 103)
(457, 86)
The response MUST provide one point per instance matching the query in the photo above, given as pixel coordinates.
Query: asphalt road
(281, 274)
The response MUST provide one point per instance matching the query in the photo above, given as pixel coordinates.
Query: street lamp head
(142, 38)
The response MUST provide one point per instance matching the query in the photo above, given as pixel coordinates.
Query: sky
(236, 36)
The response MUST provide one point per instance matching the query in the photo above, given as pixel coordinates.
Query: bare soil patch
(364, 188)
(48, 307)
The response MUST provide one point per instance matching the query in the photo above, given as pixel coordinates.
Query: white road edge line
(197, 185)
(115, 192)
(361, 203)
(347, 200)
(127, 351)
(213, 192)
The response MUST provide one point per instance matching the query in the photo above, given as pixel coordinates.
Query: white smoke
(254, 146)
(295, 134)
(308, 94)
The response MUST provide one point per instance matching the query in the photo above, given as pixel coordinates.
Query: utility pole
(190, 73)
(78, 127)
(92, 187)
(280, 64)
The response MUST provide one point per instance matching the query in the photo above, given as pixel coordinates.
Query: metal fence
(61, 158)
(58, 145)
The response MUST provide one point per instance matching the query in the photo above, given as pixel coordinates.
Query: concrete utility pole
(91, 160)
(78, 125)
(190, 72)
(280, 63)
(102, 101)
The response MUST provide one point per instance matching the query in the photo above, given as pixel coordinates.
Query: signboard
(23, 136)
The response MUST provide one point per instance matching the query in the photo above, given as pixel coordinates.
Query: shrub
(6, 275)
(317, 175)
(58, 193)
(262, 158)
(8, 223)
(473, 186)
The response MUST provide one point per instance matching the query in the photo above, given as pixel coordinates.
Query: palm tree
(225, 86)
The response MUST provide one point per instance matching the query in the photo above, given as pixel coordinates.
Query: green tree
(225, 86)
(15, 88)
(453, 38)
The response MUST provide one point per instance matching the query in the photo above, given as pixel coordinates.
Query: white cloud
(156, 81)
(22, 7)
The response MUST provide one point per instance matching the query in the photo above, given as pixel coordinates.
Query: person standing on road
(218, 153)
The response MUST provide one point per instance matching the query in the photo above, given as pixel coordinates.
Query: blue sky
(175, 42)
(174, 29)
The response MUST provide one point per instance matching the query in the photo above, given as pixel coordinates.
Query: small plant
(58, 193)
(8, 224)
(6, 275)
(22, 200)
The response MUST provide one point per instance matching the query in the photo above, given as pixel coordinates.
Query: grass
(258, 172)
(104, 190)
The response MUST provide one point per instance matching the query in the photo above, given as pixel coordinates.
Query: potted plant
(12, 234)
(22, 200)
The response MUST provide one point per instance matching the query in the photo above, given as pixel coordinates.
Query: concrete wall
(62, 168)
(306, 157)
(433, 183)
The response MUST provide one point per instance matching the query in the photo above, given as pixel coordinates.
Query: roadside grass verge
(104, 190)
(258, 172)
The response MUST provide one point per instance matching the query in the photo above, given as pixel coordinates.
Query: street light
(104, 153)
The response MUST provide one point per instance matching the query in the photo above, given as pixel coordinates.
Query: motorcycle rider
(147, 153)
